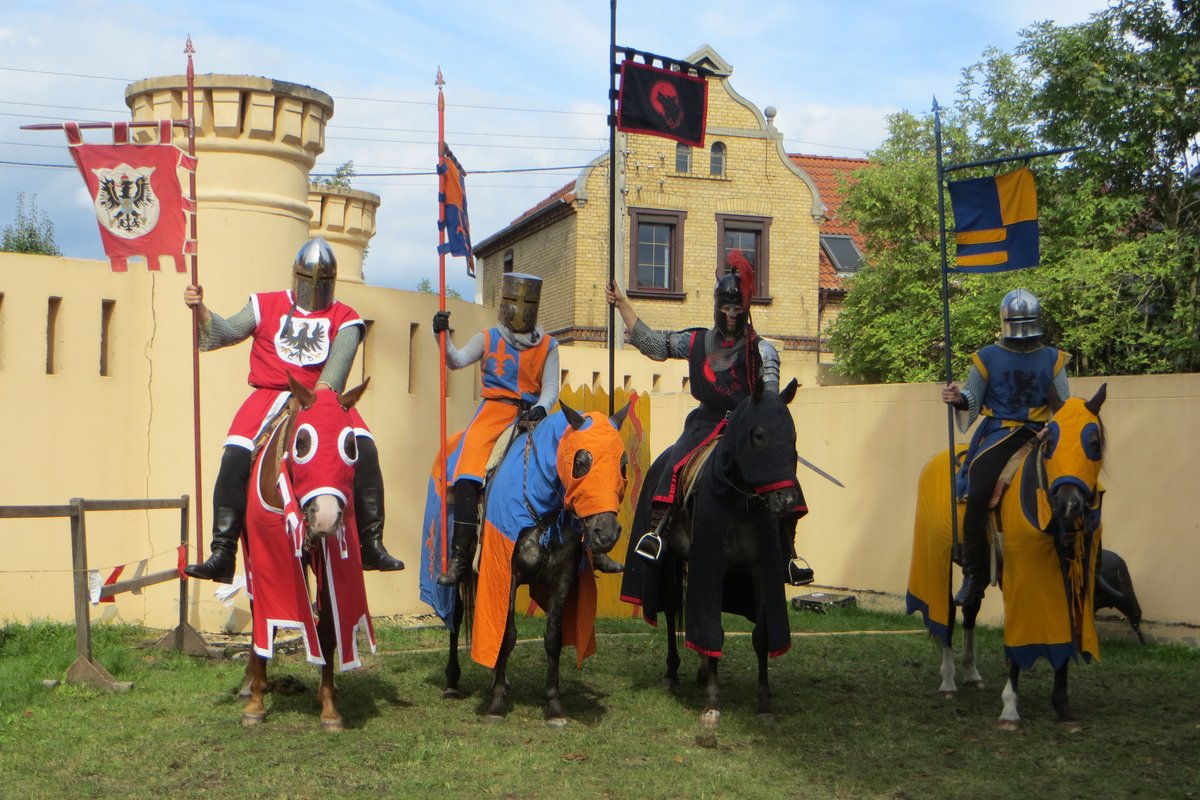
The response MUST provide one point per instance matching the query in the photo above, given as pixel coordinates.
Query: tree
(31, 232)
(426, 286)
(342, 177)
(1120, 222)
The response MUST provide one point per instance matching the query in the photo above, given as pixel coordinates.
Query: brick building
(681, 209)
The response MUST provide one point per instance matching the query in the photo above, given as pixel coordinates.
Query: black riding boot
(368, 510)
(227, 528)
(974, 566)
(602, 562)
(229, 509)
(466, 527)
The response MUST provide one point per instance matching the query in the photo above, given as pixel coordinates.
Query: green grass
(857, 717)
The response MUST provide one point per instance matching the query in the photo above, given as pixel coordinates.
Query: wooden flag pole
(442, 477)
(189, 50)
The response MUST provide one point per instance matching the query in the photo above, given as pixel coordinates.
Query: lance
(441, 106)
(820, 472)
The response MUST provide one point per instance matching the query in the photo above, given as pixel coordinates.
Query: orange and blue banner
(452, 204)
(995, 222)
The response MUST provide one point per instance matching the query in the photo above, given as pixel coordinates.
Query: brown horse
(300, 519)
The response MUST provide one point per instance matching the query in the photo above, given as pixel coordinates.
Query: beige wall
(79, 434)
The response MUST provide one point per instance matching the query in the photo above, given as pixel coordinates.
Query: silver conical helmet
(313, 275)
(1020, 315)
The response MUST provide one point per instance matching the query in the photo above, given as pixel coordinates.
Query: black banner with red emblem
(662, 102)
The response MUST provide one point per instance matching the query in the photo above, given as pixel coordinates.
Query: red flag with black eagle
(662, 102)
(137, 195)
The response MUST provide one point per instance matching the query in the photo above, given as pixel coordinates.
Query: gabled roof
(829, 173)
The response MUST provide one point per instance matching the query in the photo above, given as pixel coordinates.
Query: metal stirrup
(650, 546)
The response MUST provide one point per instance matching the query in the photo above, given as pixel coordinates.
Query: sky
(526, 87)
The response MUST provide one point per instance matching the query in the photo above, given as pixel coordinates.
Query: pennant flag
(662, 102)
(452, 202)
(137, 195)
(996, 222)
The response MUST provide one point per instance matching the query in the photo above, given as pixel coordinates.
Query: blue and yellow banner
(995, 222)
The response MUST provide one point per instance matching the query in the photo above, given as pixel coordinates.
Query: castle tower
(257, 139)
(346, 218)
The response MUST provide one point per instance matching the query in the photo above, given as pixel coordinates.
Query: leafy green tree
(31, 231)
(342, 177)
(1120, 221)
(425, 285)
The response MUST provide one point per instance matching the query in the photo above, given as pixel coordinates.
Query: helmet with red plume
(734, 288)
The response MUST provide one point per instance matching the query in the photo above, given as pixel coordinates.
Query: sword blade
(820, 472)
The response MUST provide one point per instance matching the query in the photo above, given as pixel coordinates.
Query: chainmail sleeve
(219, 332)
(659, 345)
(341, 358)
(770, 365)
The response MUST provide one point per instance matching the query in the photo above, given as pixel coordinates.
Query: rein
(537, 520)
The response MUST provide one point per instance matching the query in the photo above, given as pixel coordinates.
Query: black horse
(552, 501)
(726, 538)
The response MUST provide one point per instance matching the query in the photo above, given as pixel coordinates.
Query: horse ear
(347, 399)
(789, 392)
(305, 395)
(618, 419)
(1097, 400)
(574, 418)
(1053, 400)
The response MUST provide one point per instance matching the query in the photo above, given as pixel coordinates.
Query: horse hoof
(332, 725)
(710, 718)
(975, 684)
(494, 718)
(1009, 724)
(556, 722)
(670, 684)
(1071, 726)
(451, 694)
(252, 719)
(766, 718)
(948, 694)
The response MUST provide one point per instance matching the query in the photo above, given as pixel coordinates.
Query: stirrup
(649, 546)
(798, 575)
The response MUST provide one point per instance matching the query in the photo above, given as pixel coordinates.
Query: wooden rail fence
(184, 638)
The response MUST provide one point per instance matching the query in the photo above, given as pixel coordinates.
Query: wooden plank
(137, 583)
(131, 505)
(25, 512)
(83, 619)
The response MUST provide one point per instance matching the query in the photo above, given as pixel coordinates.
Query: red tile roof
(829, 173)
(565, 194)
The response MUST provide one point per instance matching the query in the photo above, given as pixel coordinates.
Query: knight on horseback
(520, 383)
(724, 363)
(309, 335)
(1008, 384)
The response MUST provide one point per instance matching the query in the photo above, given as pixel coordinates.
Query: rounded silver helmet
(519, 297)
(1021, 315)
(313, 275)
